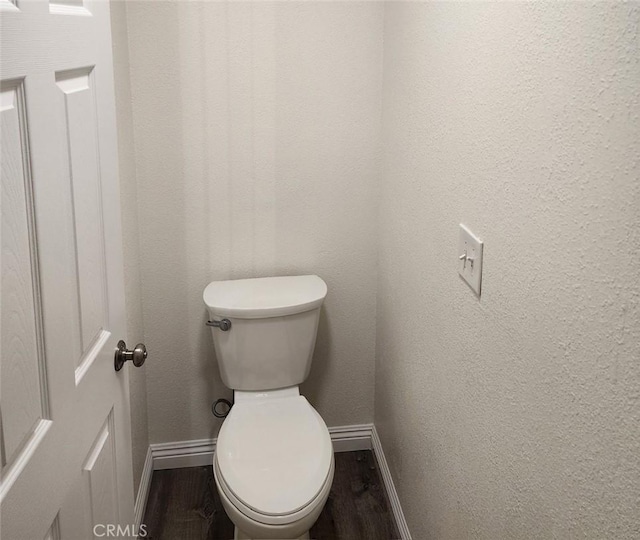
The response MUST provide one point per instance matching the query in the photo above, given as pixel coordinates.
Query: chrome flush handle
(224, 324)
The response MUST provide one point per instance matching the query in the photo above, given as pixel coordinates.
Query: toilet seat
(311, 510)
(274, 458)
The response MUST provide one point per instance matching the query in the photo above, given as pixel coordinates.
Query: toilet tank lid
(260, 298)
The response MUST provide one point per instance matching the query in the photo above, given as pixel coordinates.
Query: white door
(65, 432)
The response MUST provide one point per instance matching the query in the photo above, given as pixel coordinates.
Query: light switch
(470, 258)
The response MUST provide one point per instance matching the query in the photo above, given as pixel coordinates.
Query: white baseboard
(179, 454)
(175, 455)
(143, 490)
(351, 438)
(196, 453)
(389, 486)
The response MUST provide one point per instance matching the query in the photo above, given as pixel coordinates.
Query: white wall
(130, 225)
(256, 129)
(257, 138)
(516, 415)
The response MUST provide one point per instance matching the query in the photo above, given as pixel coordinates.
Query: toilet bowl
(273, 464)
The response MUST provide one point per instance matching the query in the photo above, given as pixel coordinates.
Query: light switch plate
(470, 259)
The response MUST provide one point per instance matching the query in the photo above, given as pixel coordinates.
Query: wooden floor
(183, 504)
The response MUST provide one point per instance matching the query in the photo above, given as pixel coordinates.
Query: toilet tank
(274, 322)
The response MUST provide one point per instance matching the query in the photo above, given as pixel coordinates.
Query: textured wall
(256, 132)
(517, 415)
(131, 248)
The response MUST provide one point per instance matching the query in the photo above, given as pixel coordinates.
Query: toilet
(273, 464)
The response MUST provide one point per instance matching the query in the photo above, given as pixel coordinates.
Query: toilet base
(239, 535)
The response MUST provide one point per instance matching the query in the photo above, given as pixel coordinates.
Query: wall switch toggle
(466, 259)
(470, 260)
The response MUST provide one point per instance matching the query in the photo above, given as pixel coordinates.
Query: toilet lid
(274, 455)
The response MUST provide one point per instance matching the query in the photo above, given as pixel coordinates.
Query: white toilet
(273, 463)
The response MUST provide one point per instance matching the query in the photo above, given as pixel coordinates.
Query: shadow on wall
(251, 158)
(321, 361)
(210, 371)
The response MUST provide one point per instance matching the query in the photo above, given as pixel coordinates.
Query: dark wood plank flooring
(183, 504)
